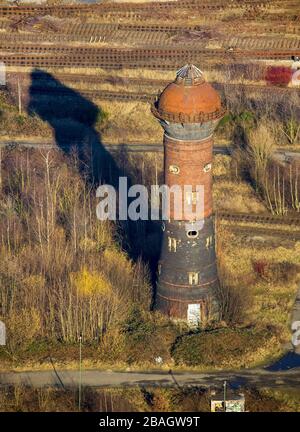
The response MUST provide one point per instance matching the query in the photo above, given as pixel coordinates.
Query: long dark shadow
(74, 119)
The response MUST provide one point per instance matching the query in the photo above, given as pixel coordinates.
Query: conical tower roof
(189, 75)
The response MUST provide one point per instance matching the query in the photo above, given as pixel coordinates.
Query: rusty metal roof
(189, 97)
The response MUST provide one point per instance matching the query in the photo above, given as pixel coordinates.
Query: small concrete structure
(235, 402)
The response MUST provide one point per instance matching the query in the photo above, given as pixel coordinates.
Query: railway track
(125, 8)
(98, 32)
(149, 35)
(92, 94)
(44, 85)
(263, 43)
(88, 78)
(64, 56)
(52, 91)
(26, 78)
(248, 232)
(259, 218)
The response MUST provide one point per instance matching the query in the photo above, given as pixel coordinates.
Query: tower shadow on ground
(74, 120)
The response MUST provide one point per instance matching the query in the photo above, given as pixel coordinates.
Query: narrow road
(97, 378)
(281, 154)
(129, 146)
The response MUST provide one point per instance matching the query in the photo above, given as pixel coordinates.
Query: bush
(147, 336)
(217, 347)
(233, 303)
(276, 272)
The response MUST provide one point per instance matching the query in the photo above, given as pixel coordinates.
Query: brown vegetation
(62, 272)
(278, 183)
(183, 399)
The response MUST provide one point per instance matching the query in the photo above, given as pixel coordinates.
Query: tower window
(209, 242)
(172, 243)
(207, 167)
(192, 234)
(193, 278)
(174, 169)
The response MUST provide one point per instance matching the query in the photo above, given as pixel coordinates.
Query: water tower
(189, 110)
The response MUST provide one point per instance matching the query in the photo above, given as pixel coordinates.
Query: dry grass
(230, 193)
(288, 399)
(272, 295)
(131, 121)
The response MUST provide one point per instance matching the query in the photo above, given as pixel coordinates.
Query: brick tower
(188, 110)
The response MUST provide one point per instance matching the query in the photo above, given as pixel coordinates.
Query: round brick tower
(188, 110)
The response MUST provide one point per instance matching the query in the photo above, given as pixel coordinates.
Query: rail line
(63, 56)
(149, 35)
(52, 91)
(259, 218)
(88, 78)
(43, 84)
(95, 30)
(92, 94)
(153, 7)
(25, 77)
(39, 61)
(263, 232)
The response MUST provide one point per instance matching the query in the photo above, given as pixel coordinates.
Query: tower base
(187, 273)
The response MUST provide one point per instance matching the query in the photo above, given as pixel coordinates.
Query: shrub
(23, 327)
(260, 268)
(233, 293)
(219, 347)
(260, 149)
(278, 75)
(233, 303)
(147, 336)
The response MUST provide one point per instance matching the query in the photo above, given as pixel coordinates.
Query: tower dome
(189, 99)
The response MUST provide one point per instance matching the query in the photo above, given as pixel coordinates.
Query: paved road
(283, 155)
(130, 146)
(95, 378)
